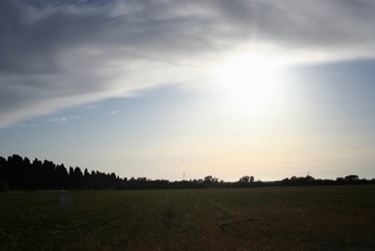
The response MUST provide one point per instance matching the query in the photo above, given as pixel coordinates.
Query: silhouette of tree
(209, 180)
(62, 176)
(17, 173)
(352, 177)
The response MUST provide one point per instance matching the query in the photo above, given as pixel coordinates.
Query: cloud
(113, 112)
(89, 106)
(61, 121)
(56, 54)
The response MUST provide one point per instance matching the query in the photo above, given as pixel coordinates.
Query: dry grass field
(273, 218)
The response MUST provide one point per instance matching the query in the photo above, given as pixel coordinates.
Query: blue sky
(334, 123)
(159, 88)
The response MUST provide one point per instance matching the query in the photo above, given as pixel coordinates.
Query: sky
(161, 88)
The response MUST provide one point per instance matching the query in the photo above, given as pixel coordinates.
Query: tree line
(17, 173)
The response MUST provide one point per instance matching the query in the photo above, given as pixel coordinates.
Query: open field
(280, 218)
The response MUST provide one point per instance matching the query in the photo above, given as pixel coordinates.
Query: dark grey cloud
(55, 54)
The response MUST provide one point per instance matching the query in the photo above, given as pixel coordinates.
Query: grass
(280, 218)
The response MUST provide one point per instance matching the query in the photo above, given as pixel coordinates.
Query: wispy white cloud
(90, 106)
(114, 112)
(66, 53)
(60, 121)
(28, 125)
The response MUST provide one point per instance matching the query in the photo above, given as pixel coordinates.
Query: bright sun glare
(250, 83)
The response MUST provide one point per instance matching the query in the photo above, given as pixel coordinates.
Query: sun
(250, 83)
